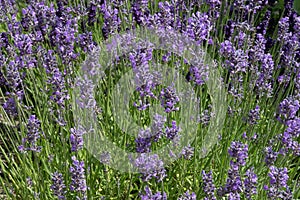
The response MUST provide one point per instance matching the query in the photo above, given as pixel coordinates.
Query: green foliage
(297, 6)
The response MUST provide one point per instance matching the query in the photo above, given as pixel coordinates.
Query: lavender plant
(43, 44)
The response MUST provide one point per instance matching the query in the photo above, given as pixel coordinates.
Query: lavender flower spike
(58, 186)
(78, 183)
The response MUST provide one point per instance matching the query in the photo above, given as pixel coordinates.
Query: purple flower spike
(76, 138)
(150, 166)
(254, 116)
(58, 186)
(250, 183)
(239, 152)
(169, 99)
(78, 183)
(143, 141)
(270, 155)
(188, 196)
(172, 132)
(208, 186)
(278, 184)
(150, 196)
(33, 134)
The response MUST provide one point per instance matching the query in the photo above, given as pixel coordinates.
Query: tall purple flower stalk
(208, 186)
(199, 27)
(250, 184)
(278, 188)
(58, 186)
(111, 20)
(33, 134)
(150, 196)
(234, 184)
(143, 141)
(141, 12)
(270, 155)
(188, 196)
(169, 99)
(157, 128)
(150, 166)
(254, 115)
(76, 138)
(172, 132)
(290, 135)
(78, 183)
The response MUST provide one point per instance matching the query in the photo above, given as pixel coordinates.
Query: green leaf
(297, 6)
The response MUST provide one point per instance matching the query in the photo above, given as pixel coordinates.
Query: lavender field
(150, 100)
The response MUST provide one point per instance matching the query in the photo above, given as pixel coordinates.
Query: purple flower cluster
(111, 20)
(78, 183)
(169, 99)
(143, 141)
(150, 166)
(278, 187)
(250, 184)
(150, 196)
(172, 132)
(157, 128)
(188, 196)
(187, 152)
(58, 186)
(254, 115)
(208, 186)
(290, 135)
(270, 155)
(235, 185)
(33, 134)
(288, 109)
(199, 27)
(76, 138)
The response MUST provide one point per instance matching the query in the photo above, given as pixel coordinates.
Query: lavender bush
(256, 48)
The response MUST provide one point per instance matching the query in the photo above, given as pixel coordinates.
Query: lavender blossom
(86, 42)
(208, 186)
(290, 135)
(254, 116)
(33, 134)
(250, 184)
(76, 138)
(10, 106)
(143, 141)
(111, 20)
(199, 75)
(29, 18)
(188, 196)
(278, 184)
(145, 79)
(141, 12)
(270, 155)
(239, 152)
(24, 43)
(187, 152)
(169, 99)
(150, 196)
(150, 166)
(288, 109)
(59, 91)
(172, 132)
(62, 35)
(157, 127)
(234, 184)
(199, 27)
(78, 183)
(92, 13)
(58, 186)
